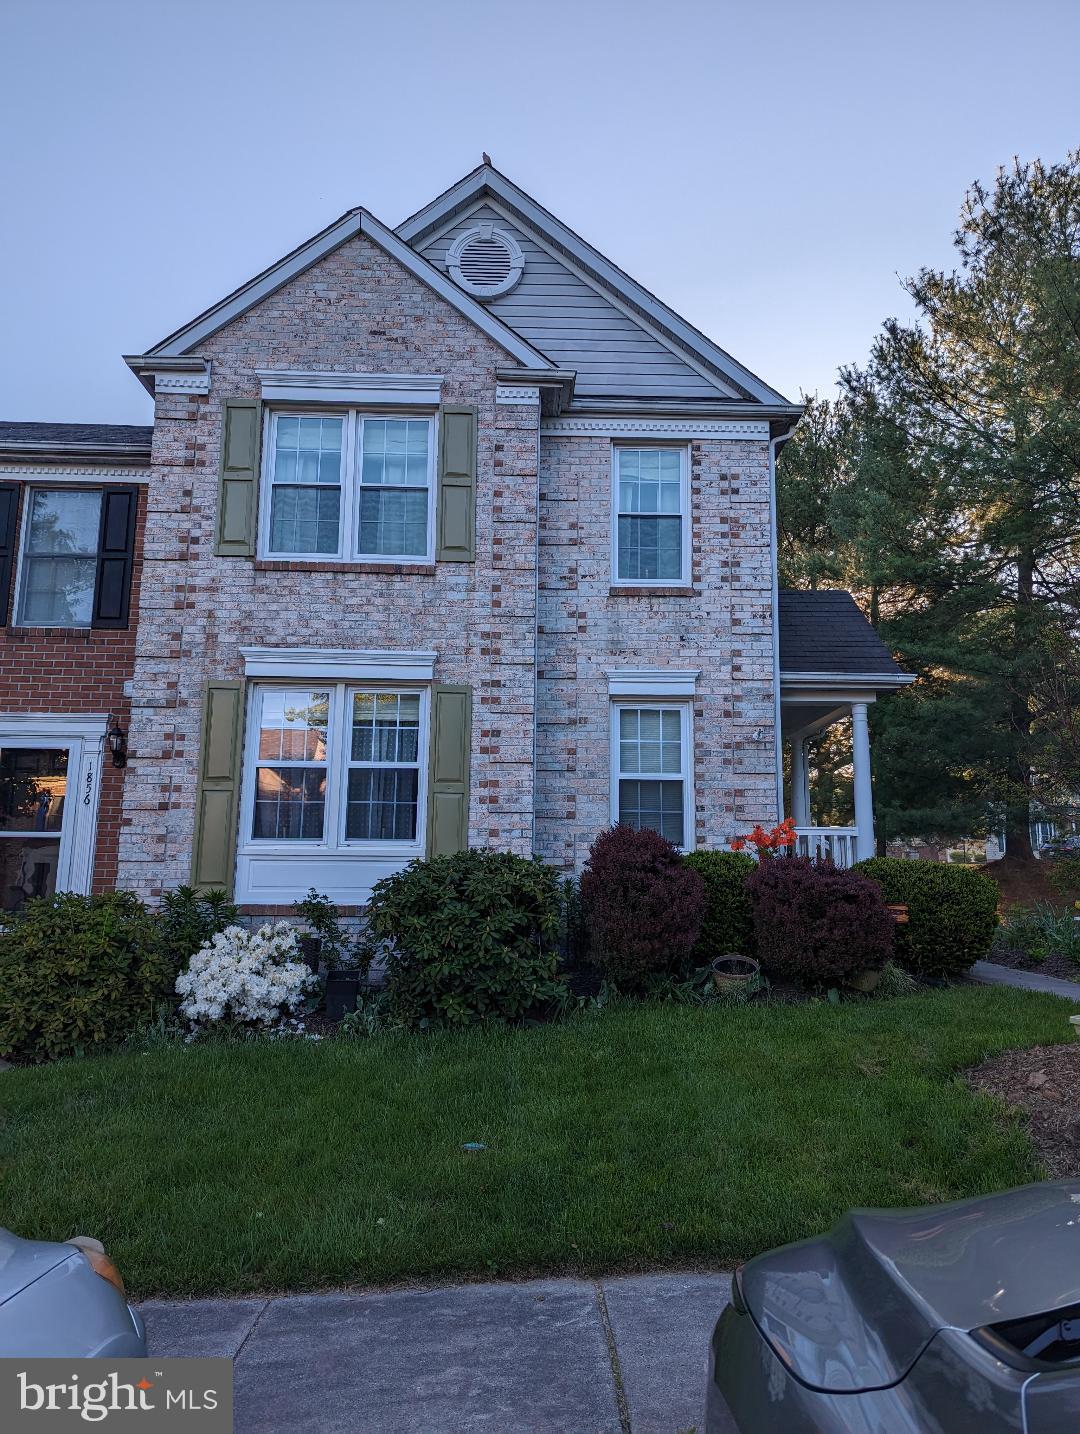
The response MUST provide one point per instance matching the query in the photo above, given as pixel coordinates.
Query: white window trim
(337, 664)
(652, 682)
(304, 385)
(84, 737)
(333, 843)
(348, 550)
(27, 497)
(686, 743)
(686, 578)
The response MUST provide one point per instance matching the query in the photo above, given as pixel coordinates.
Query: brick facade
(76, 671)
(721, 627)
(356, 310)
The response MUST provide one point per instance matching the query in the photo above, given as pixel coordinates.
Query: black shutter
(9, 527)
(116, 554)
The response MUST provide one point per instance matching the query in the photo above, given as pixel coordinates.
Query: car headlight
(93, 1251)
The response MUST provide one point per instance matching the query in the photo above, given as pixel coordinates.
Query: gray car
(958, 1319)
(64, 1300)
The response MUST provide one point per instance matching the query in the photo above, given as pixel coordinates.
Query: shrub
(952, 913)
(728, 922)
(244, 977)
(816, 923)
(337, 948)
(1039, 931)
(189, 919)
(469, 937)
(1063, 872)
(78, 972)
(642, 905)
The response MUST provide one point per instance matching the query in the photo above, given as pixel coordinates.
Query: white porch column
(864, 791)
(800, 795)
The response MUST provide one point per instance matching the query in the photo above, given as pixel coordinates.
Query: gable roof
(487, 182)
(113, 441)
(355, 221)
(824, 632)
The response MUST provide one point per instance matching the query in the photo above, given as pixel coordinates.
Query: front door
(48, 811)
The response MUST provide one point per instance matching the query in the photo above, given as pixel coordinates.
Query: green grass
(645, 1137)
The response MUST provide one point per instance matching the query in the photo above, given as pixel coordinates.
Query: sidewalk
(986, 973)
(618, 1356)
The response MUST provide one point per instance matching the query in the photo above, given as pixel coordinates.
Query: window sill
(391, 569)
(648, 590)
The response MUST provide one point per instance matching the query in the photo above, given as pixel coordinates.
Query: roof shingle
(65, 436)
(824, 631)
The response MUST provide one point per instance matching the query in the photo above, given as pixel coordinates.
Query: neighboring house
(72, 507)
(456, 534)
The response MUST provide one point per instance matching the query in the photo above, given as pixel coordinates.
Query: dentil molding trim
(687, 429)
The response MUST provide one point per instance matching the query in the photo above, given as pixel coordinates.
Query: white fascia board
(368, 388)
(357, 221)
(845, 679)
(651, 682)
(613, 277)
(329, 664)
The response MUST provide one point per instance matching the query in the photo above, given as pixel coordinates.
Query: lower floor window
(336, 765)
(650, 766)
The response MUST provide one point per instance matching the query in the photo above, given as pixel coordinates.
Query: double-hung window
(651, 767)
(336, 766)
(651, 525)
(349, 485)
(76, 557)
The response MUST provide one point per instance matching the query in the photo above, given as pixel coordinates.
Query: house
(449, 534)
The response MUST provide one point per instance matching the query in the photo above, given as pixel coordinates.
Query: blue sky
(767, 170)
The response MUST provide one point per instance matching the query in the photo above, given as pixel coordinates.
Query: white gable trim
(486, 202)
(491, 181)
(357, 221)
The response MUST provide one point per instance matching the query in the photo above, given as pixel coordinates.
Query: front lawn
(647, 1136)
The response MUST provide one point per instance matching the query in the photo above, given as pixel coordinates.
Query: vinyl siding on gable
(577, 327)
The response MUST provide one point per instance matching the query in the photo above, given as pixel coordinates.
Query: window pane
(27, 868)
(289, 803)
(655, 805)
(650, 548)
(64, 521)
(395, 452)
(58, 592)
(307, 450)
(394, 522)
(304, 520)
(650, 480)
(33, 785)
(292, 726)
(386, 727)
(381, 804)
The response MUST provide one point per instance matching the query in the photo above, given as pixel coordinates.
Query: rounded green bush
(728, 923)
(952, 912)
(78, 973)
(469, 938)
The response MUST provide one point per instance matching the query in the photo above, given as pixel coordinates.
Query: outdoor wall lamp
(117, 740)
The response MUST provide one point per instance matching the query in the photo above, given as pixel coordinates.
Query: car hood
(854, 1309)
(24, 1261)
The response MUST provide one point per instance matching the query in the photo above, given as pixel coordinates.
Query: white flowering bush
(245, 977)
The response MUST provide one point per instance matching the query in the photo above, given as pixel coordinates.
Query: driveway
(619, 1356)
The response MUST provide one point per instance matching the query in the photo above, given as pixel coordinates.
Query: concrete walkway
(619, 1356)
(987, 973)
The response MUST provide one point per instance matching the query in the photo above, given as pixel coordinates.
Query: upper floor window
(651, 516)
(350, 486)
(76, 557)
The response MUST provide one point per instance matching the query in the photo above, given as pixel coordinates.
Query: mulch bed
(1023, 882)
(1056, 964)
(1044, 1082)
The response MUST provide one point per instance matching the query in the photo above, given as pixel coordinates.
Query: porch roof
(824, 632)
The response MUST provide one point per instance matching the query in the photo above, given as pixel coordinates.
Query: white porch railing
(839, 843)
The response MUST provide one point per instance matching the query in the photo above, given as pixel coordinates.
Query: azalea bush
(781, 838)
(252, 978)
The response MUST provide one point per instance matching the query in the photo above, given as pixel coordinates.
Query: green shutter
(238, 486)
(213, 846)
(448, 770)
(457, 485)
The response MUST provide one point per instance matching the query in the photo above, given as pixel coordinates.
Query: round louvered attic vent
(486, 261)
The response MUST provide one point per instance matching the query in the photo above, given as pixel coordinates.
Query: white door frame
(84, 738)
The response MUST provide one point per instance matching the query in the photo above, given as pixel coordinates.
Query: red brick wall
(76, 670)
